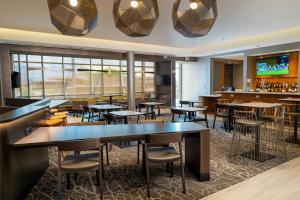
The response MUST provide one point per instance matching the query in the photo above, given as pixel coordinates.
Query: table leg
(125, 120)
(197, 154)
(158, 110)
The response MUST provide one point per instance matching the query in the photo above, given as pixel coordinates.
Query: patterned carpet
(124, 179)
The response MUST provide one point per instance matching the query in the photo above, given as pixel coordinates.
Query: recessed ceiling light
(73, 3)
(134, 3)
(194, 5)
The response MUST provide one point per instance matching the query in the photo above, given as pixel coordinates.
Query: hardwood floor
(279, 183)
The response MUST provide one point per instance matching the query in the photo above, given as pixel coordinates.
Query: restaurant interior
(149, 99)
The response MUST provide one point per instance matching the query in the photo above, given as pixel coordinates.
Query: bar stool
(246, 129)
(274, 129)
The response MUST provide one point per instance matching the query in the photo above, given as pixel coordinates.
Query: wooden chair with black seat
(78, 107)
(157, 149)
(179, 113)
(222, 110)
(80, 162)
(203, 118)
(103, 144)
(185, 103)
(153, 121)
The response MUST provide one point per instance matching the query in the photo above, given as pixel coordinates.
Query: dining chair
(153, 121)
(78, 107)
(80, 162)
(186, 103)
(103, 144)
(222, 110)
(164, 153)
(198, 118)
(179, 113)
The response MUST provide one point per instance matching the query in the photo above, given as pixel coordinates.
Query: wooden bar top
(50, 136)
(262, 93)
(29, 109)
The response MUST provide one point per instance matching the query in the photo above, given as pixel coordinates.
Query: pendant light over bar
(138, 18)
(73, 17)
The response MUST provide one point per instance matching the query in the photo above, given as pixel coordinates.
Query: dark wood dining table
(197, 139)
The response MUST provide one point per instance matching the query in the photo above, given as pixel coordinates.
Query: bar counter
(20, 169)
(257, 96)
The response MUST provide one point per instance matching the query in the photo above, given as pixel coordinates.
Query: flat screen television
(272, 66)
(163, 80)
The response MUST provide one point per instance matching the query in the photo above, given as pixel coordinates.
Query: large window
(63, 76)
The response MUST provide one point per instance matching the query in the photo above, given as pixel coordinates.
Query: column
(130, 81)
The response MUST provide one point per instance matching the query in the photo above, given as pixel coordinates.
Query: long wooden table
(197, 139)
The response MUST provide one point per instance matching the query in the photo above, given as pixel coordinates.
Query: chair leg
(206, 120)
(171, 170)
(183, 176)
(147, 178)
(97, 177)
(102, 163)
(173, 117)
(59, 185)
(107, 158)
(68, 181)
(100, 177)
(138, 153)
(214, 121)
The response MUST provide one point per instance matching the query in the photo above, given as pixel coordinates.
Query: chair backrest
(163, 138)
(290, 107)
(87, 123)
(221, 108)
(79, 145)
(152, 121)
(79, 105)
(185, 103)
(176, 111)
(223, 100)
(242, 116)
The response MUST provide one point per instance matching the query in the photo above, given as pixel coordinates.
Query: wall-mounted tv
(163, 80)
(272, 66)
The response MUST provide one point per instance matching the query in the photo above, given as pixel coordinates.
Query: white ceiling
(240, 24)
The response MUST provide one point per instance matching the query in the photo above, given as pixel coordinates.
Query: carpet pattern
(124, 180)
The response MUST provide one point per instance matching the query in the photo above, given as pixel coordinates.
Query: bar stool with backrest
(154, 121)
(80, 162)
(245, 130)
(163, 154)
(292, 113)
